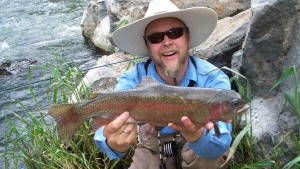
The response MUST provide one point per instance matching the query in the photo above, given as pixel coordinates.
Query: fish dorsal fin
(148, 81)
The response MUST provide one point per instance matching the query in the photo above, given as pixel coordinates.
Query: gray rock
(11, 67)
(103, 77)
(226, 39)
(237, 60)
(92, 16)
(224, 8)
(273, 26)
(271, 46)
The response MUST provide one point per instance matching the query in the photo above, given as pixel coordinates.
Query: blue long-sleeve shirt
(204, 75)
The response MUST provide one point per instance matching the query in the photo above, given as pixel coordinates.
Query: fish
(150, 102)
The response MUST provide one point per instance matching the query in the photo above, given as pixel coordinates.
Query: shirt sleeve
(100, 141)
(210, 145)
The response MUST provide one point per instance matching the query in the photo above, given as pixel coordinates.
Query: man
(166, 34)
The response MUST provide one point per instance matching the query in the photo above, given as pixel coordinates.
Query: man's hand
(119, 134)
(190, 131)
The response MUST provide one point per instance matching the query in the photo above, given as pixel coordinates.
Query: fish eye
(235, 103)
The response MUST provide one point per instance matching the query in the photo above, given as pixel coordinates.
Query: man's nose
(167, 41)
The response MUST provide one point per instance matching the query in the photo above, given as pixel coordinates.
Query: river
(37, 30)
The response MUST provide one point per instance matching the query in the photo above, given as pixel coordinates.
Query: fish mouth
(243, 109)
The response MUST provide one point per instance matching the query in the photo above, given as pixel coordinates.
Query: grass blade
(292, 163)
(31, 90)
(239, 84)
(233, 71)
(290, 99)
(235, 143)
(283, 77)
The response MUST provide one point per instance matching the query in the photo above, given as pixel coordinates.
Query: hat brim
(201, 21)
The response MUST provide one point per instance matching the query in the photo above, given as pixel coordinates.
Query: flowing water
(36, 30)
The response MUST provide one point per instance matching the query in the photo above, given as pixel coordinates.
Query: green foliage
(293, 101)
(39, 146)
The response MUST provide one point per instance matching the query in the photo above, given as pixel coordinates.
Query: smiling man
(166, 34)
(170, 54)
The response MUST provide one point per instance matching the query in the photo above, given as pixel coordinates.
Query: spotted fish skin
(150, 102)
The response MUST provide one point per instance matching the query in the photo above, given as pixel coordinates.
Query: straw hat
(201, 21)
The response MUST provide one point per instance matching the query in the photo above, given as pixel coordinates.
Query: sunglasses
(158, 37)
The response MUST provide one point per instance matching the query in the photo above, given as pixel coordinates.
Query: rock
(10, 67)
(103, 77)
(92, 16)
(226, 39)
(101, 36)
(271, 46)
(269, 127)
(272, 31)
(224, 8)
(237, 60)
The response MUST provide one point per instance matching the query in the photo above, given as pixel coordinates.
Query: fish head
(226, 109)
(239, 106)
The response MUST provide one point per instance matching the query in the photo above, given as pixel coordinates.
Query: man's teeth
(169, 53)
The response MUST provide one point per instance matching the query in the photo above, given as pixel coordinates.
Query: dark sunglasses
(158, 37)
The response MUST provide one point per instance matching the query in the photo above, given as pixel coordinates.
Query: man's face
(169, 55)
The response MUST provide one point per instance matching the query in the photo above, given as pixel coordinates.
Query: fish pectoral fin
(217, 130)
(207, 131)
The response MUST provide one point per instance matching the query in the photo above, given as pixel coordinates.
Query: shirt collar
(190, 74)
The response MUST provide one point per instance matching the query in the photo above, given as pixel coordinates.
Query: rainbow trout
(151, 102)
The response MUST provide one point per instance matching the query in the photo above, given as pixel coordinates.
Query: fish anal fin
(98, 122)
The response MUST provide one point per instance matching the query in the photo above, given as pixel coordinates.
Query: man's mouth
(169, 53)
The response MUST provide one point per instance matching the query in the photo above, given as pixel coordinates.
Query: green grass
(39, 146)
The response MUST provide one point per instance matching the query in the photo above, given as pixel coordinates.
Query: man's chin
(172, 73)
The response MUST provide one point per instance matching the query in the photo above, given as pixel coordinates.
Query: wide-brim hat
(201, 22)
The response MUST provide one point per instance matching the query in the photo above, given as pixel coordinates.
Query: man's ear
(189, 39)
(146, 44)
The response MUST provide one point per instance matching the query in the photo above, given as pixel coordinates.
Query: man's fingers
(132, 135)
(175, 126)
(188, 123)
(128, 127)
(209, 125)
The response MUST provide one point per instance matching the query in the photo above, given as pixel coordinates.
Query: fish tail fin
(67, 119)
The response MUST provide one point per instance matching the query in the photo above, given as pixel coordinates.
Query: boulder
(11, 67)
(271, 46)
(226, 39)
(224, 8)
(103, 76)
(272, 34)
